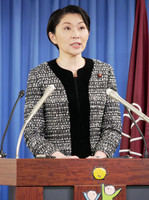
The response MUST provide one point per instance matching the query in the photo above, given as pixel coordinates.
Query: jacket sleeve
(34, 132)
(111, 122)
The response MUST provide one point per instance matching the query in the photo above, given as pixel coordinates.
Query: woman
(79, 120)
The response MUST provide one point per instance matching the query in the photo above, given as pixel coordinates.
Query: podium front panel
(61, 192)
(85, 177)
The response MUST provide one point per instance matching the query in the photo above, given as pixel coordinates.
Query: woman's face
(71, 35)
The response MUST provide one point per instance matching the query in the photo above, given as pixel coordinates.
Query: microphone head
(21, 93)
(108, 91)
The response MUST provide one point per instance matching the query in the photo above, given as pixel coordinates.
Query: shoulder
(40, 74)
(40, 68)
(101, 65)
(103, 68)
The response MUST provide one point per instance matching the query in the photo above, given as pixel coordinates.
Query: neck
(72, 63)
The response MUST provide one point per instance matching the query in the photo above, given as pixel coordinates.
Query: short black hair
(57, 15)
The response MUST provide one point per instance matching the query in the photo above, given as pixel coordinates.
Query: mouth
(76, 44)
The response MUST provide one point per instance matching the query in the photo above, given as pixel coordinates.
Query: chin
(75, 53)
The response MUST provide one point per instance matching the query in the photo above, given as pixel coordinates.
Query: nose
(75, 34)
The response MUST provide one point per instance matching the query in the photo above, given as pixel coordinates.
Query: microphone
(128, 106)
(115, 96)
(2, 154)
(49, 90)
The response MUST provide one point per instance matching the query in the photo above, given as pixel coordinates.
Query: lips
(76, 44)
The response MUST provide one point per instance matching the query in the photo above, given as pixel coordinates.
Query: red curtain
(138, 86)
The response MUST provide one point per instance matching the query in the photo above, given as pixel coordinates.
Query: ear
(52, 37)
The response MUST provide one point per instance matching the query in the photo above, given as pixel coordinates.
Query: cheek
(84, 41)
(85, 37)
(62, 39)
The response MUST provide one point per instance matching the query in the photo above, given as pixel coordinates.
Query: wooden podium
(30, 176)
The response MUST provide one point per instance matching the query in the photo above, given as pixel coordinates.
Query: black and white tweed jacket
(49, 130)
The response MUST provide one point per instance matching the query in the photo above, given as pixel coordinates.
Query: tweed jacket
(49, 129)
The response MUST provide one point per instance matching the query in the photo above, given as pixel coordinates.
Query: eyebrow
(71, 23)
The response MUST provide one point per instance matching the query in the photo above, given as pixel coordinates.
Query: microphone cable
(146, 151)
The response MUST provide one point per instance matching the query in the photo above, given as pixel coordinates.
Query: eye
(82, 27)
(67, 28)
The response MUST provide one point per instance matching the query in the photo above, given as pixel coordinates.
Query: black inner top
(79, 107)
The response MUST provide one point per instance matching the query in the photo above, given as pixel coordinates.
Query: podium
(29, 177)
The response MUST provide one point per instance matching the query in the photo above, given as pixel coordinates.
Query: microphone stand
(2, 154)
(47, 92)
(146, 151)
